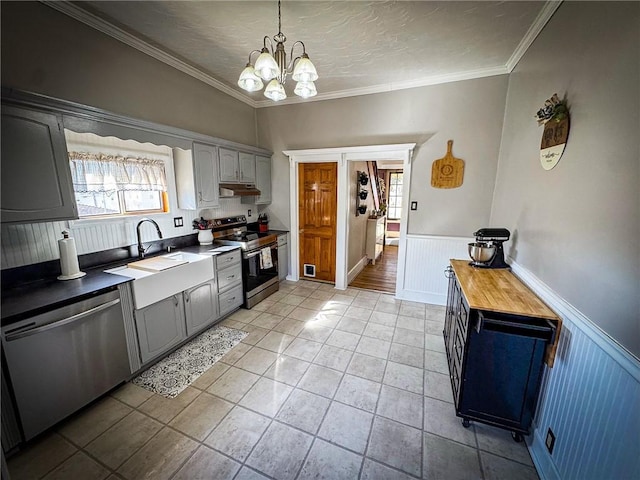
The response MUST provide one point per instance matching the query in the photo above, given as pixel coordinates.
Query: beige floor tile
(214, 372)
(396, 445)
(290, 326)
(78, 466)
(160, 458)
(255, 334)
(287, 370)
(346, 426)
(257, 360)
(266, 397)
(91, 422)
(267, 320)
(131, 394)
(238, 433)
(365, 366)
(201, 416)
(41, 457)
(497, 468)
(400, 406)
(333, 357)
(233, 384)
(275, 341)
(406, 355)
(304, 410)
(448, 460)
(235, 354)
(204, 463)
(122, 440)
(358, 392)
(329, 462)
(404, 377)
(165, 409)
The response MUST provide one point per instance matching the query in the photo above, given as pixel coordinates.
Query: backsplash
(38, 242)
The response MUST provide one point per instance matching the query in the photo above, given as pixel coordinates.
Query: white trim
(541, 20)
(342, 155)
(617, 352)
(353, 273)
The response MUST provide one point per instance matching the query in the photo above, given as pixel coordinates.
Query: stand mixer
(487, 251)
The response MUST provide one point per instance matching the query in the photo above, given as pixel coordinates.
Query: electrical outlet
(550, 441)
(414, 205)
(177, 222)
(249, 213)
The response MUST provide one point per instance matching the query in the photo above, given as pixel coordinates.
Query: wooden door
(317, 204)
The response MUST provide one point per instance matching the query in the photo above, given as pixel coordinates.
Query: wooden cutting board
(156, 264)
(448, 171)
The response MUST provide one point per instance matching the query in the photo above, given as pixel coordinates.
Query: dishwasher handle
(545, 331)
(60, 323)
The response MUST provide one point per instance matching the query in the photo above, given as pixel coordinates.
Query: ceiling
(358, 47)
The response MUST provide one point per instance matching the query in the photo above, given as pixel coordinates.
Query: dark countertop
(31, 299)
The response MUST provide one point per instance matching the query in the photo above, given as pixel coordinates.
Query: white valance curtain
(99, 173)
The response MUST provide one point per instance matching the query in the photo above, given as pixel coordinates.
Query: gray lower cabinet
(283, 257)
(36, 178)
(160, 327)
(229, 278)
(200, 306)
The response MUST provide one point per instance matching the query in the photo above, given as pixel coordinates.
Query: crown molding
(541, 20)
(125, 37)
(391, 87)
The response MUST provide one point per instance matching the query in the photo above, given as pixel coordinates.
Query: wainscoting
(589, 399)
(426, 258)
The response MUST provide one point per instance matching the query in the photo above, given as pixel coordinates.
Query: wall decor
(554, 115)
(448, 171)
(361, 192)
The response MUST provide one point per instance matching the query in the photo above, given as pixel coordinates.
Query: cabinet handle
(231, 277)
(186, 296)
(231, 299)
(175, 300)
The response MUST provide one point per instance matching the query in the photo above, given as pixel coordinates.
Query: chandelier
(271, 66)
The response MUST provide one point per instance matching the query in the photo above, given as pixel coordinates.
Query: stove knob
(218, 222)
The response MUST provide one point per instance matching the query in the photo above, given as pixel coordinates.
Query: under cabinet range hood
(238, 190)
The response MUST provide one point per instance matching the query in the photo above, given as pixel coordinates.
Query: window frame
(390, 174)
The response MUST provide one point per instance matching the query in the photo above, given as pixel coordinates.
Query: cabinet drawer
(228, 259)
(229, 276)
(230, 300)
(282, 240)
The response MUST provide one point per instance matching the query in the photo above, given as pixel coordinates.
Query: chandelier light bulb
(266, 66)
(275, 91)
(304, 70)
(305, 89)
(249, 81)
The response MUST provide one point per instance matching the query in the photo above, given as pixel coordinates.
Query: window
(113, 177)
(394, 209)
(108, 185)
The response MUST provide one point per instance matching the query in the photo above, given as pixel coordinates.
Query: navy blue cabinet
(495, 361)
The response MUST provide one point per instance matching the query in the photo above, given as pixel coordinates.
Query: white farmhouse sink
(151, 287)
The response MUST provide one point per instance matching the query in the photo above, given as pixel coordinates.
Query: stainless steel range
(259, 257)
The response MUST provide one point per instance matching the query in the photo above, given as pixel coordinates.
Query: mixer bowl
(481, 252)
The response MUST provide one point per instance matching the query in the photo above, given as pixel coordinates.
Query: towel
(265, 258)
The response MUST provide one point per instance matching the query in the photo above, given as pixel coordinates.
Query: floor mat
(173, 374)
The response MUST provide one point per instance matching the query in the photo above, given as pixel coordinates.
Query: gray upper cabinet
(262, 181)
(200, 306)
(36, 178)
(247, 163)
(197, 177)
(237, 167)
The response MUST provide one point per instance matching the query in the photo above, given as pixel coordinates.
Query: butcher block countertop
(499, 290)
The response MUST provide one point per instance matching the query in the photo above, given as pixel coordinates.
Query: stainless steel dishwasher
(61, 360)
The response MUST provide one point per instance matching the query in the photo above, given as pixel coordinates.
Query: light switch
(414, 205)
(177, 222)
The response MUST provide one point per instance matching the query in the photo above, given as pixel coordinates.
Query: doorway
(341, 156)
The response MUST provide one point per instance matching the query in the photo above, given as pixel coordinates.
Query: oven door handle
(249, 255)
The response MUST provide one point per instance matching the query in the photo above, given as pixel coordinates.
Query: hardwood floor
(382, 275)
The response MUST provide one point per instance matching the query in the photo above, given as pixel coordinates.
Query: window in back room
(394, 209)
(114, 178)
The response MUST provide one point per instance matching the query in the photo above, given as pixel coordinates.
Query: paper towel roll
(68, 258)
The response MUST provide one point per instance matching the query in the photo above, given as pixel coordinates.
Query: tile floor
(326, 385)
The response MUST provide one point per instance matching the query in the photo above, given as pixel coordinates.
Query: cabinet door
(247, 163)
(160, 326)
(36, 178)
(205, 158)
(263, 180)
(228, 166)
(200, 306)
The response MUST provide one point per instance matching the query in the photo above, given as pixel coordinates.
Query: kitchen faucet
(141, 249)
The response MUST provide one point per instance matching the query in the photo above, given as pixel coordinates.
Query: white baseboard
(353, 273)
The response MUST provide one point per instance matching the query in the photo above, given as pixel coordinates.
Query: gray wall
(47, 52)
(469, 112)
(576, 227)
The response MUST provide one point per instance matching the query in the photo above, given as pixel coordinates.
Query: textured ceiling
(357, 47)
